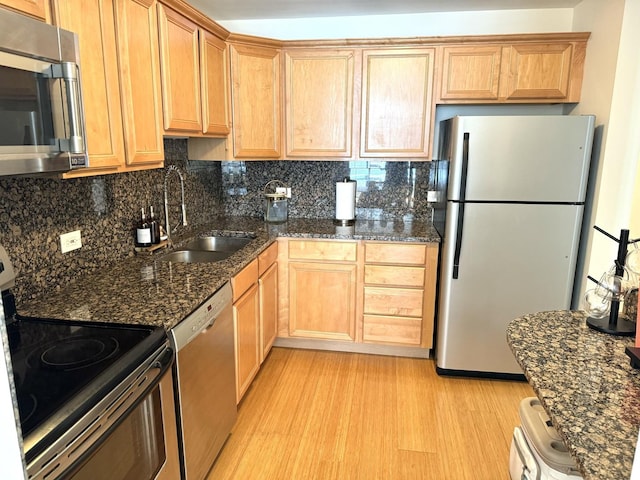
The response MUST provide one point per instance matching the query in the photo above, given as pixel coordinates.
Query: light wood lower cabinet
(322, 300)
(255, 315)
(399, 293)
(268, 287)
(359, 292)
(246, 323)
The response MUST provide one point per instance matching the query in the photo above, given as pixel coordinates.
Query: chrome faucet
(173, 168)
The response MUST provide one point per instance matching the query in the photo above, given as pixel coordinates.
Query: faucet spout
(173, 168)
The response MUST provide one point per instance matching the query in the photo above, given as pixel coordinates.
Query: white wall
(611, 90)
(410, 25)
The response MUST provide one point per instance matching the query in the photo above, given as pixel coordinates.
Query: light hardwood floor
(328, 415)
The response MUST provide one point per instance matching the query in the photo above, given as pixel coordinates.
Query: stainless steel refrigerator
(511, 200)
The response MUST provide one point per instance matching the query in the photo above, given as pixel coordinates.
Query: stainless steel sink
(207, 249)
(218, 244)
(194, 256)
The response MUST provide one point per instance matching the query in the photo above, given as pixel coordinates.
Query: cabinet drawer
(322, 250)
(267, 258)
(243, 280)
(398, 253)
(391, 275)
(403, 330)
(393, 301)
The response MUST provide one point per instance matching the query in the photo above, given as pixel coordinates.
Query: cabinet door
(137, 38)
(319, 103)
(396, 102)
(471, 73)
(214, 80)
(247, 333)
(539, 71)
(322, 300)
(256, 101)
(179, 57)
(268, 285)
(35, 8)
(94, 24)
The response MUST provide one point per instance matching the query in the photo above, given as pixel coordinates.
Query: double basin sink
(207, 249)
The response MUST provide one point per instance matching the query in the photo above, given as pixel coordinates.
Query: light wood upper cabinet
(180, 62)
(319, 102)
(526, 72)
(255, 74)
(94, 24)
(214, 81)
(538, 71)
(120, 80)
(471, 72)
(396, 102)
(139, 69)
(194, 76)
(39, 9)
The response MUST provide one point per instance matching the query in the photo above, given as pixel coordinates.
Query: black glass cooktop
(62, 368)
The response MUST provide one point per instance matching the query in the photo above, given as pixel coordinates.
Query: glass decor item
(602, 304)
(595, 305)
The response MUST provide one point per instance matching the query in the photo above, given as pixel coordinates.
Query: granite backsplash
(34, 212)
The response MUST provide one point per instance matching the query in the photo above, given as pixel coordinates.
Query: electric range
(76, 381)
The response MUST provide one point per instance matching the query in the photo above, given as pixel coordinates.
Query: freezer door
(513, 260)
(521, 158)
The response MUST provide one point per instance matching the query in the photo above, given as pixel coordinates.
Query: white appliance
(511, 197)
(537, 451)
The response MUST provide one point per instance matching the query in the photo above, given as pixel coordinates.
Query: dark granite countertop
(146, 290)
(586, 384)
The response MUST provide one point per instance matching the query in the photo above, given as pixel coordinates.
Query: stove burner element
(75, 353)
(27, 406)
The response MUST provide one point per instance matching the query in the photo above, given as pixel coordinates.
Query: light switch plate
(432, 196)
(70, 241)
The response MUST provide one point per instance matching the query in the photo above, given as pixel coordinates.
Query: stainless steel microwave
(41, 112)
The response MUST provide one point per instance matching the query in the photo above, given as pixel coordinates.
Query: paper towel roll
(346, 200)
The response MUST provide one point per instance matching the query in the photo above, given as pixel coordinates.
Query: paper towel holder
(341, 218)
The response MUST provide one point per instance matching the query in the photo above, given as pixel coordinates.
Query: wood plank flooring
(328, 415)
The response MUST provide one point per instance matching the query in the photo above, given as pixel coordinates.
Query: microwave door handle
(70, 74)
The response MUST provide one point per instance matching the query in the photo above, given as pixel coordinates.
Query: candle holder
(611, 288)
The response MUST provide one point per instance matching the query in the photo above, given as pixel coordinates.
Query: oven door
(131, 434)
(144, 446)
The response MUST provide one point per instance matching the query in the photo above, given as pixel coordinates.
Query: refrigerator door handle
(463, 188)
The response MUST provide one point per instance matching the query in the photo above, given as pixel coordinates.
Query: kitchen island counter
(586, 384)
(144, 289)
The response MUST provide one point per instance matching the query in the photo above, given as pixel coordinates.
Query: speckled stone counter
(147, 290)
(585, 383)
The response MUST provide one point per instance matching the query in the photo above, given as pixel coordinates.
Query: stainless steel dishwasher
(205, 379)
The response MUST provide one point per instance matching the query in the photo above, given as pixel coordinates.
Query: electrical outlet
(70, 241)
(284, 190)
(432, 196)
